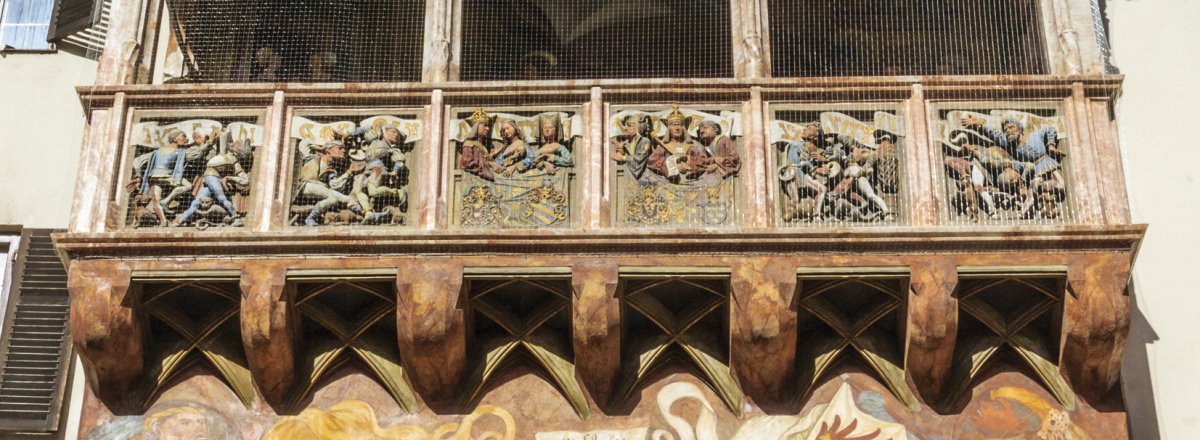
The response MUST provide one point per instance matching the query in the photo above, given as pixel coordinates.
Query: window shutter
(36, 351)
(71, 16)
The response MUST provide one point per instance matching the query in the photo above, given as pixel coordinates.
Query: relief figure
(475, 155)
(191, 173)
(551, 151)
(633, 146)
(838, 169)
(998, 169)
(679, 166)
(326, 176)
(517, 175)
(350, 173)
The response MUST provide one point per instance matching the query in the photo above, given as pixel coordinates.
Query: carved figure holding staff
(634, 145)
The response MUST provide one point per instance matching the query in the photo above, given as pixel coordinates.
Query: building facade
(517, 219)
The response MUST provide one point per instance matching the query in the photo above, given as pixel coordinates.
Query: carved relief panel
(842, 167)
(1003, 165)
(353, 169)
(513, 168)
(190, 171)
(675, 167)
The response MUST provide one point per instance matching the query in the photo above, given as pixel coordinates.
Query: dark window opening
(896, 37)
(531, 40)
(302, 41)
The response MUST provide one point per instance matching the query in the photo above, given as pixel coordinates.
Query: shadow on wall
(1136, 383)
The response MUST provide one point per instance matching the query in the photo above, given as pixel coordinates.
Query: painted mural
(356, 419)
(848, 405)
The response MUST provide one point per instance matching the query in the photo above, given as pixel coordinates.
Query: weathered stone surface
(932, 325)
(107, 327)
(269, 329)
(1096, 323)
(431, 327)
(763, 328)
(596, 322)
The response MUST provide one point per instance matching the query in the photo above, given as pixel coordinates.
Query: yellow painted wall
(41, 130)
(1155, 44)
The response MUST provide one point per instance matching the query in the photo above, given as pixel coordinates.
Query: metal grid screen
(529, 40)
(897, 37)
(298, 41)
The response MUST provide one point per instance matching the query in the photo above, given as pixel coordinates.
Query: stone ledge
(377, 242)
(1026, 85)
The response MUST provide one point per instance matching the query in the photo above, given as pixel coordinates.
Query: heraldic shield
(518, 202)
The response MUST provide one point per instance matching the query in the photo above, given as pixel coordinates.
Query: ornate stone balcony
(942, 177)
(954, 211)
(607, 236)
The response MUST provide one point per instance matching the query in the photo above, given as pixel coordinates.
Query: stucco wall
(1155, 45)
(41, 129)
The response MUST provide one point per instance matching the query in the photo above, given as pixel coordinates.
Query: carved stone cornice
(616, 90)
(399, 242)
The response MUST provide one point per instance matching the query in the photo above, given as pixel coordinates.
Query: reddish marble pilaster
(593, 163)
(122, 44)
(435, 66)
(430, 169)
(924, 163)
(269, 207)
(749, 57)
(1084, 177)
(756, 212)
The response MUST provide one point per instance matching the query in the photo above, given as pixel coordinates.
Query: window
(35, 349)
(896, 37)
(524, 39)
(24, 24)
(305, 41)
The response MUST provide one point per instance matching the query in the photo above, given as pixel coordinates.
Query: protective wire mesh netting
(187, 171)
(1003, 162)
(523, 39)
(303, 41)
(898, 37)
(381, 40)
